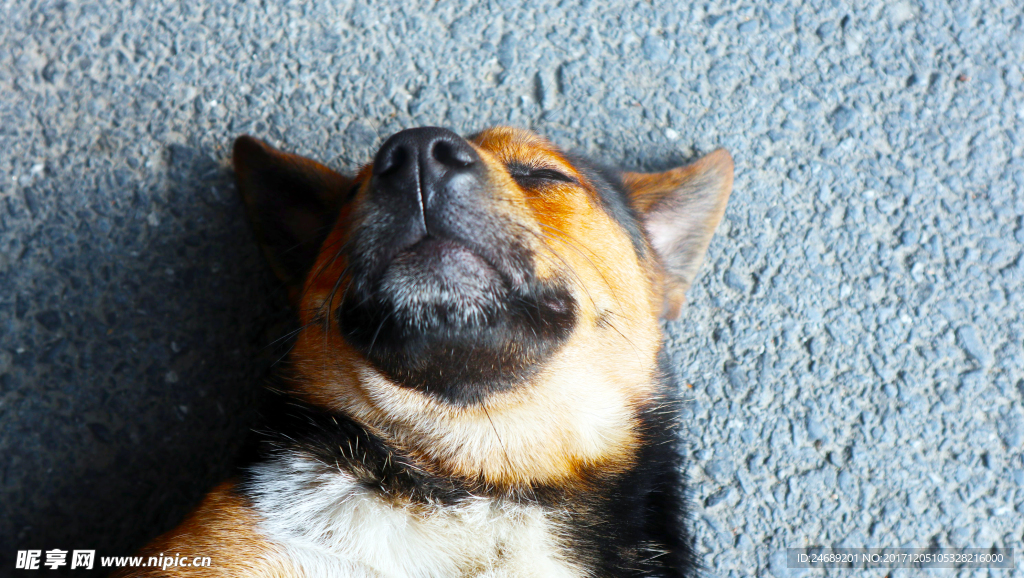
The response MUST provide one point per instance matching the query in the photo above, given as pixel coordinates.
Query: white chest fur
(331, 526)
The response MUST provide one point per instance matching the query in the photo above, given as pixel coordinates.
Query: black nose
(418, 164)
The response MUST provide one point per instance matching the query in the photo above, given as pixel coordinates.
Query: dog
(477, 387)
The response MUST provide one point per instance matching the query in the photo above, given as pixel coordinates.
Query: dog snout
(418, 169)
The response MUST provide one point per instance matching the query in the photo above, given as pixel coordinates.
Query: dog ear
(291, 202)
(680, 209)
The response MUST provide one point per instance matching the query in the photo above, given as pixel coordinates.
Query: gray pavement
(854, 350)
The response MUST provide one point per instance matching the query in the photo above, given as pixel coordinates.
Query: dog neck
(578, 415)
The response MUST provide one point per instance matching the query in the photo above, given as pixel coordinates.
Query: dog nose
(419, 163)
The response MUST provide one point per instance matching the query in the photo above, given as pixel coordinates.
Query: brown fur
(223, 528)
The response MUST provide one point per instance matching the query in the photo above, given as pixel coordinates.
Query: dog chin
(442, 285)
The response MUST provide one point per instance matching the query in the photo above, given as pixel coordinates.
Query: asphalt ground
(853, 352)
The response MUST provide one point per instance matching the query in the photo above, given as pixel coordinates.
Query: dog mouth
(442, 293)
(443, 318)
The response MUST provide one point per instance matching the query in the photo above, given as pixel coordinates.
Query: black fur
(635, 526)
(462, 364)
(288, 425)
(286, 208)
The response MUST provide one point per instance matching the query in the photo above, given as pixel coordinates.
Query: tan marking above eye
(517, 147)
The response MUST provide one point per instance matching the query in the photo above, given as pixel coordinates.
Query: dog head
(488, 305)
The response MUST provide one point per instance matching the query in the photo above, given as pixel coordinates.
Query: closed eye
(528, 176)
